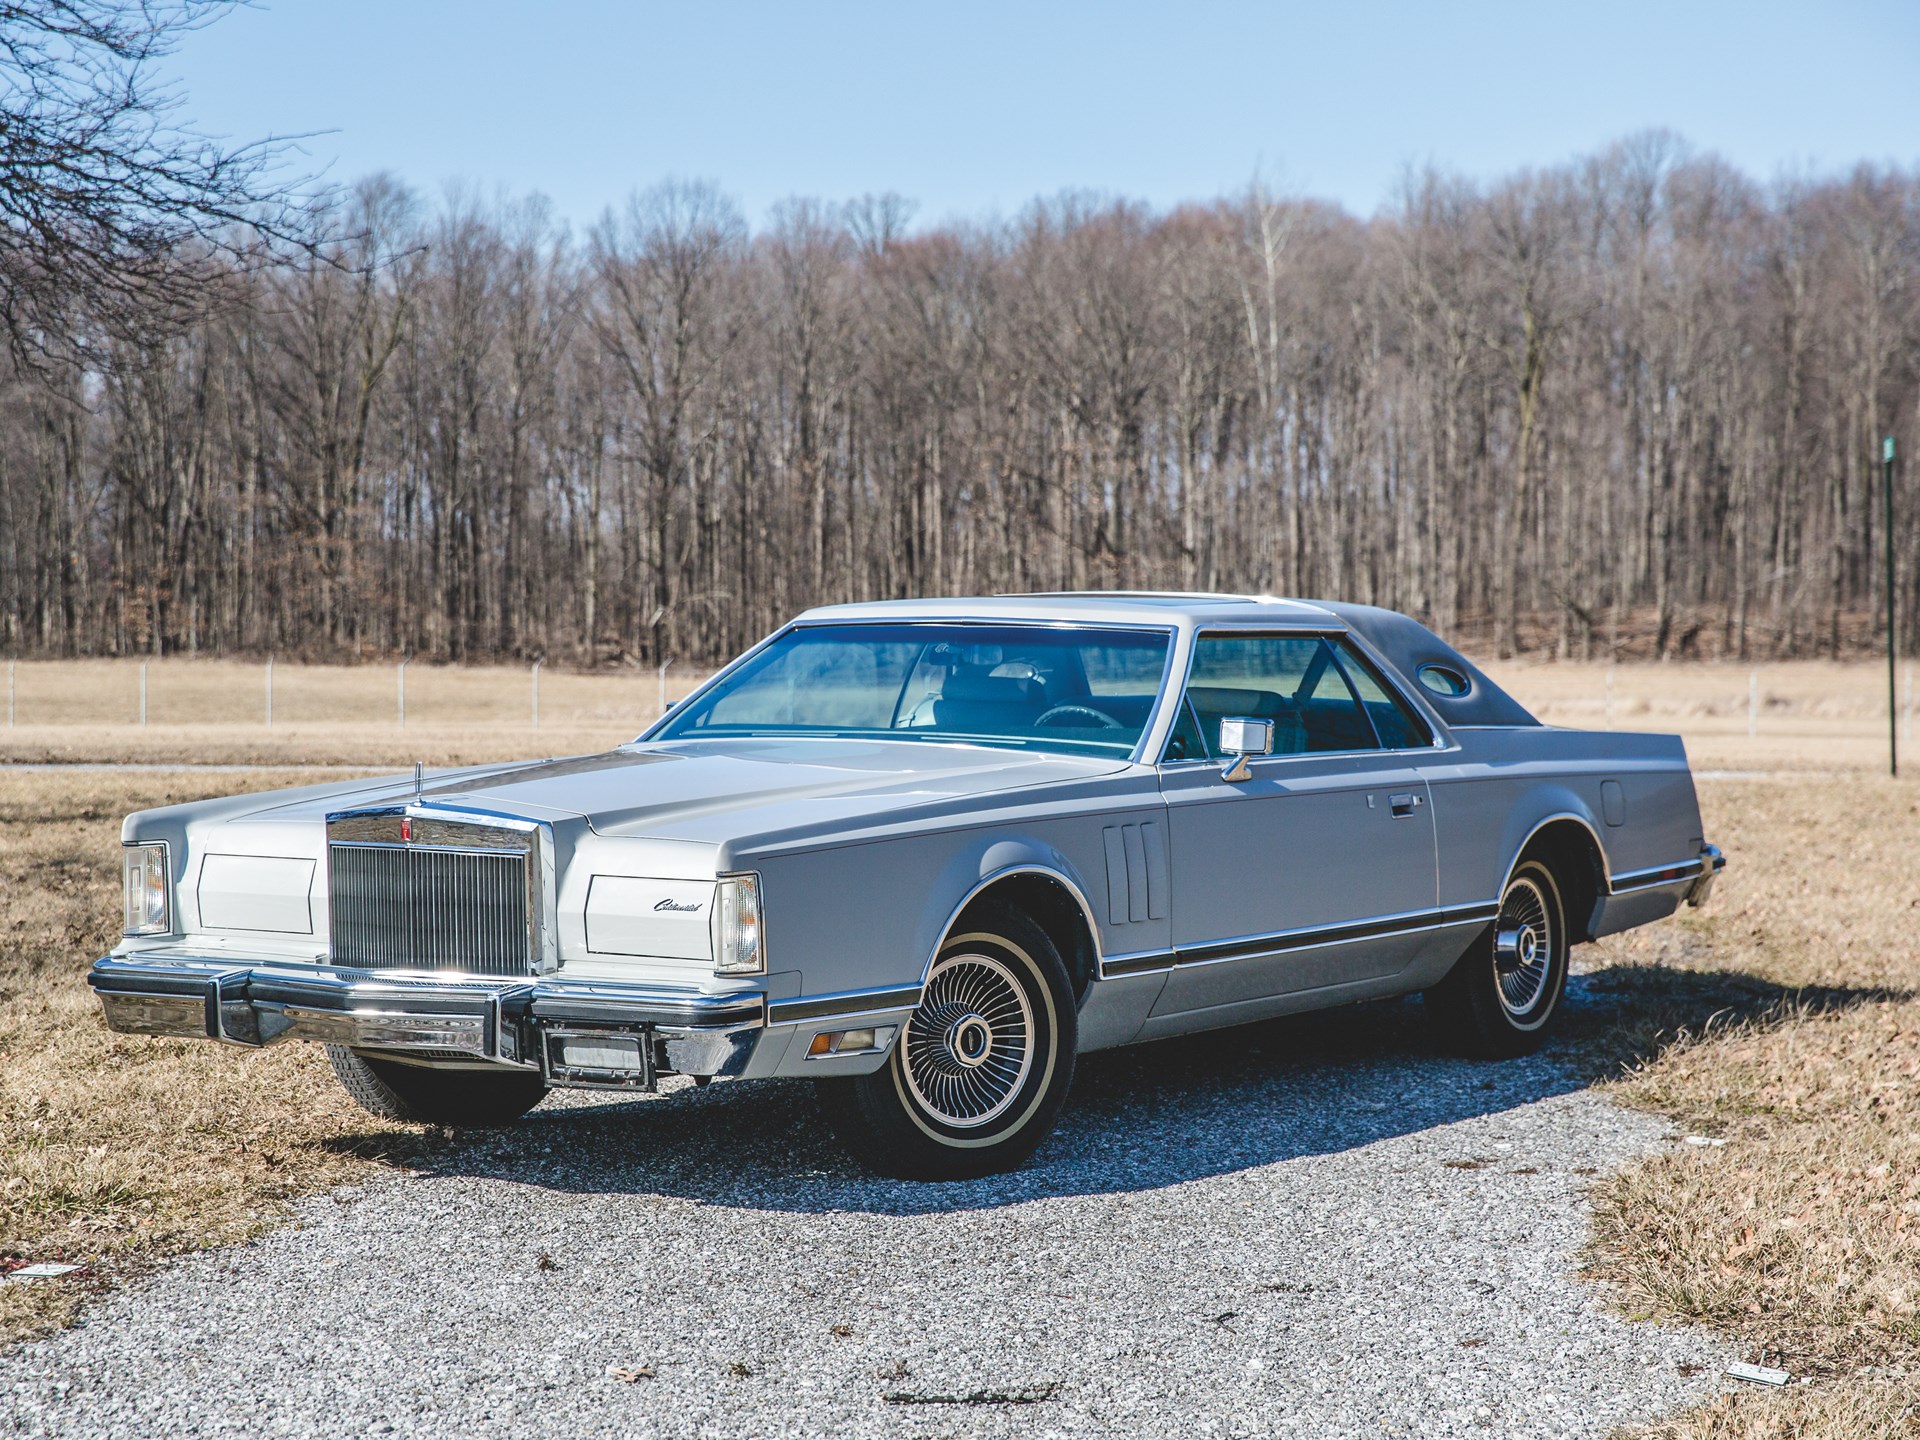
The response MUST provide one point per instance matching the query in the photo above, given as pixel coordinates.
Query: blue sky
(972, 110)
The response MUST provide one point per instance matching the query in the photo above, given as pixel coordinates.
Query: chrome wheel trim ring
(969, 1047)
(1524, 944)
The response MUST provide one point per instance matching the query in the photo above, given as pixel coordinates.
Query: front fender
(976, 867)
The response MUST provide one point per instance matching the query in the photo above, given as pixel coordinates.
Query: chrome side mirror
(1241, 737)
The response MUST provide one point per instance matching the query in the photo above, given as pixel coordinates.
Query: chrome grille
(402, 908)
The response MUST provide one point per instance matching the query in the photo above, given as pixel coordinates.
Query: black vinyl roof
(1408, 645)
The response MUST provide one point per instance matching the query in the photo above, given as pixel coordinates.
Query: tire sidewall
(876, 1118)
(1035, 1090)
(1537, 873)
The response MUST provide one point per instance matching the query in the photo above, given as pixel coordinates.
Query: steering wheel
(1101, 720)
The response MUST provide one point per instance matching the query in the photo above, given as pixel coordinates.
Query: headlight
(737, 947)
(144, 870)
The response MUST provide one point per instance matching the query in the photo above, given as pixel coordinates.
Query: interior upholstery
(1214, 703)
(974, 698)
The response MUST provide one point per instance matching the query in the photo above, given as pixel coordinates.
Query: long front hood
(719, 791)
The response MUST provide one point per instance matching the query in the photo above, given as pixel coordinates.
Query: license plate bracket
(598, 1057)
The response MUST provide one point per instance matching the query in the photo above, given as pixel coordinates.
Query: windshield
(1031, 686)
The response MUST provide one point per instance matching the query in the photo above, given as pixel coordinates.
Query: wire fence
(273, 694)
(1728, 700)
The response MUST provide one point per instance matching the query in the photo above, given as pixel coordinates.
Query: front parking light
(144, 877)
(737, 940)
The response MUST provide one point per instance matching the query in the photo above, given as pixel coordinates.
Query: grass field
(1783, 1020)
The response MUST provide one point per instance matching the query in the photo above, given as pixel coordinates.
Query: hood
(702, 790)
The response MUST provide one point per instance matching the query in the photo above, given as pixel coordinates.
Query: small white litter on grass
(45, 1270)
(1758, 1374)
(1703, 1140)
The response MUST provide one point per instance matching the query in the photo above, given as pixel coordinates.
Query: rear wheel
(468, 1098)
(1503, 996)
(981, 1068)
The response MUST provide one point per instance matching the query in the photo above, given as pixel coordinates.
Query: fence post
(536, 694)
(663, 684)
(1609, 697)
(269, 692)
(10, 665)
(143, 693)
(1753, 703)
(1906, 710)
(401, 690)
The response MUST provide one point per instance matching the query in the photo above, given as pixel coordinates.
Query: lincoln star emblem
(676, 905)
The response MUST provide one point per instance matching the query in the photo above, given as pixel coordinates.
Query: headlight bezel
(739, 925)
(146, 888)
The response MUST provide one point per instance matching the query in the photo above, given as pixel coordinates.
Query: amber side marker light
(851, 1042)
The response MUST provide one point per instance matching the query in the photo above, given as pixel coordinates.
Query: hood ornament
(419, 782)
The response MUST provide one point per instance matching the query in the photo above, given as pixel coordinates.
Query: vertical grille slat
(420, 908)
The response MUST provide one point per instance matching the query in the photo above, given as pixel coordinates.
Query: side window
(1292, 680)
(1394, 721)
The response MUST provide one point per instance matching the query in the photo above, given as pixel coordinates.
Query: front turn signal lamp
(144, 876)
(739, 943)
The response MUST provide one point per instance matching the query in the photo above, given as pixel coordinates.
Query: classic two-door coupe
(924, 853)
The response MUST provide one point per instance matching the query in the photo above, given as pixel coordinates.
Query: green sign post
(1893, 712)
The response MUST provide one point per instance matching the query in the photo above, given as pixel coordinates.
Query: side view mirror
(1241, 737)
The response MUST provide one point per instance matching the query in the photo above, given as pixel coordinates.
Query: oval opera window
(1444, 680)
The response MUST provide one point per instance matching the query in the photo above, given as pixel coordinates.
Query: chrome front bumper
(455, 1020)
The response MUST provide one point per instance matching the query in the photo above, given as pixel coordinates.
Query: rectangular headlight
(738, 947)
(144, 872)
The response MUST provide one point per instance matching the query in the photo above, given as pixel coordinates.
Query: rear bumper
(489, 1021)
(1712, 862)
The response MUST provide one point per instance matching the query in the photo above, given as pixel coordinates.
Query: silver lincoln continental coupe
(925, 853)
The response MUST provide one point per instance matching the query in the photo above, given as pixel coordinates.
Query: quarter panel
(1499, 785)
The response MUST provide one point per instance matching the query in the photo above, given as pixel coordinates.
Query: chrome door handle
(1404, 805)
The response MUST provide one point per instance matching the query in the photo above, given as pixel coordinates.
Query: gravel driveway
(1313, 1227)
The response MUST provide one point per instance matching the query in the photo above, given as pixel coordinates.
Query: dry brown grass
(214, 712)
(118, 1151)
(1781, 1019)
(1784, 1021)
(1813, 714)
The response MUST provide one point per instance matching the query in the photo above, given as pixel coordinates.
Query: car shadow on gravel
(1138, 1119)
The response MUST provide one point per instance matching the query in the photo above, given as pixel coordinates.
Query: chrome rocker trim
(500, 1021)
(1701, 871)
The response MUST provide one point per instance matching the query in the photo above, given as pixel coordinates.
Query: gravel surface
(1314, 1227)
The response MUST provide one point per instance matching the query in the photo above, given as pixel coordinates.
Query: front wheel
(428, 1096)
(1503, 996)
(980, 1070)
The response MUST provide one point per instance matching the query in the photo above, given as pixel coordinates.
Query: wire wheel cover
(1523, 946)
(969, 1047)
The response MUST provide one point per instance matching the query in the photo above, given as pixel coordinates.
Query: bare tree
(1625, 405)
(111, 214)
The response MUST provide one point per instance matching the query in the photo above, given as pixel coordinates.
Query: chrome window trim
(1171, 630)
(1383, 675)
(1249, 630)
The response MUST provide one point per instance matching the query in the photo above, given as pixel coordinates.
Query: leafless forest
(1635, 400)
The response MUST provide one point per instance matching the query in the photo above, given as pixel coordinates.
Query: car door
(1315, 870)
